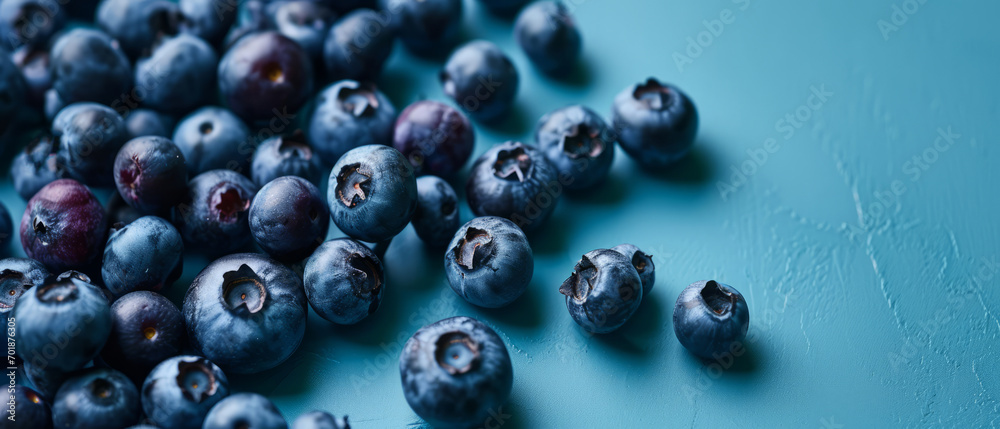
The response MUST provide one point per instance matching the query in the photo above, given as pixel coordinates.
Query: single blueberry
(349, 115)
(32, 410)
(288, 218)
(97, 398)
(63, 226)
(36, 166)
(481, 79)
(643, 263)
(18, 275)
(320, 420)
(711, 319)
(88, 65)
(307, 23)
(146, 328)
(358, 46)
(427, 28)
(436, 138)
(180, 391)
(30, 22)
(514, 181)
(179, 76)
(265, 76)
(90, 136)
(603, 292)
(145, 122)
(656, 123)
(138, 25)
(548, 34)
(489, 262)
(285, 156)
(150, 174)
(578, 144)
(213, 138)
(245, 410)
(344, 281)
(436, 218)
(146, 254)
(214, 217)
(372, 193)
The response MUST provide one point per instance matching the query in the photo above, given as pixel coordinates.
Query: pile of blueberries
(214, 122)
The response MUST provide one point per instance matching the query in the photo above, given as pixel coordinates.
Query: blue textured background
(864, 245)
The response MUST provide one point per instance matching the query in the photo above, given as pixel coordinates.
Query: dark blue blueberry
(285, 156)
(213, 218)
(288, 218)
(97, 398)
(146, 254)
(36, 166)
(265, 75)
(145, 122)
(13, 90)
(503, 7)
(90, 136)
(213, 138)
(180, 391)
(146, 328)
(711, 319)
(455, 372)
(579, 144)
(481, 79)
(61, 324)
(246, 312)
(548, 35)
(656, 123)
(150, 174)
(34, 66)
(603, 292)
(428, 27)
(358, 46)
(372, 193)
(31, 410)
(179, 76)
(515, 181)
(489, 262)
(18, 275)
(208, 19)
(437, 217)
(63, 226)
(344, 281)
(245, 410)
(307, 23)
(88, 65)
(436, 138)
(643, 263)
(348, 115)
(6, 227)
(139, 25)
(30, 22)
(320, 420)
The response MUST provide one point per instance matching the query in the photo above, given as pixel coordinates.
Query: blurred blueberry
(288, 218)
(372, 193)
(578, 144)
(30, 22)
(248, 410)
(428, 27)
(88, 65)
(481, 79)
(358, 46)
(36, 166)
(13, 90)
(514, 181)
(603, 292)
(208, 19)
(179, 76)
(348, 115)
(138, 25)
(145, 122)
(320, 420)
(547, 33)
(307, 23)
(344, 281)
(180, 391)
(146, 254)
(711, 319)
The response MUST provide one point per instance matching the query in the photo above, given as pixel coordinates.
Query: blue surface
(871, 280)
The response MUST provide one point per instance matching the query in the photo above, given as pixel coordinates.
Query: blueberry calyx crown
(456, 352)
(582, 142)
(243, 291)
(229, 203)
(717, 299)
(353, 186)
(513, 164)
(39, 226)
(653, 94)
(196, 380)
(359, 100)
(581, 282)
(641, 261)
(57, 291)
(366, 271)
(274, 73)
(474, 249)
(294, 146)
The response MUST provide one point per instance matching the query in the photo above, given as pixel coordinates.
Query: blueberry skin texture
(711, 319)
(349, 115)
(514, 181)
(265, 75)
(88, 65)
(150, 174)
(427, 28)
(33, 411)
(288, 218)
(344, 281)
(36, 166)
(357, 46)
(656, 123)
(6, 227)
(202, 19)
(579, 145)
(643, 263)
(147, 254)
(63, 226)
(30, 22)
(477, 68)
(489, 262)
(245, 410)
(170, 398)
(320, 420)
(285, 156)
(436, 138)
(447, 396)
(214, 217)
(97, 398)
(307, 23)
(70, 310)
(90, 136)
(503, 7)
(179, 76)
(213, 138)
(252, 334)
(603, 292)
(437, 217)
(548, 35)
(18, 275)
(138, 24)
(146, 328)
(145, 122)
(372, 193)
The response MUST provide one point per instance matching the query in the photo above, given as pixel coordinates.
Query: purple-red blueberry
(63, 226)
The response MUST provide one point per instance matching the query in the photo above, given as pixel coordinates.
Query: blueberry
(344, 281)
(288, 218)
(348, 115)
(643, 263)
(36, 166)
(437, 217)
(548, 35)
(138, 24)
(32, 410)
(88, 65)
(18, 275)
(265, 75)
(63, 226)
(248, 410)
(90, 136)
(6, 227)
(285, 156)
(213, 138)
(372, 193)
(246, 313)
(67, 318)
(428, 27)
(579, 144)
(656, 123)
(603, 292)
(145, 122)
(180, 391)
(179, 76)
(481, 79)
(307, 23)
(147, 254)
(515, 181)
(711, 319)
(34, 65)
(489, 262)
(320, 420)
(207, 19)
(146, 328)
(97, 398)
(214, 217)
(436, 138)
(357, 46)
(503, 7)
(455, 372)
(150, 174)
(30, 22)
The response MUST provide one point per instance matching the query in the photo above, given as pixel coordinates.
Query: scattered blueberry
(320, 420)
(208, 19)
(179, 76)
(145, 122)
(515, 181)
(90, 136)
(711, 319)
(547, 33)
(344, 281)
(265, 76)
(214, 217)
(481, 79)
(643, 263)
(285, 156)
(437, 217)
(656, 123)
(578, 144)
(603, 292)
(97, 398)
(349, 115)
(489, 262)
(436, 138)
(18, 275)
(245, 410)
(32, 411)
(357, 46)
(213, 138)
(36, 166)
(150, 174)
(427, 27)
(180, 391)
(63, 226)
(146, 254)
(88, 65)
(288, 218)
(372, 193)
(138, 25)
(146, 328)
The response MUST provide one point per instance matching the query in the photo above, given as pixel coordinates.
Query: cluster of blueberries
(157, 99)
